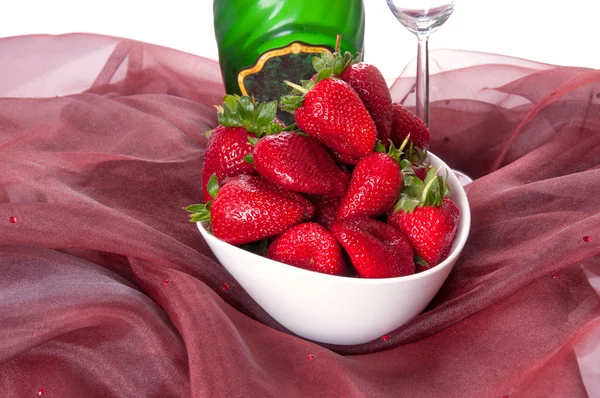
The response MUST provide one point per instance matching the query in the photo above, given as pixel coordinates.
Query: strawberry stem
(338, 44)
(426, 189)
(403, 145)
(296, 86)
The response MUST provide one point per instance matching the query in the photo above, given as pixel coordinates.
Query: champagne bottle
(264, 42)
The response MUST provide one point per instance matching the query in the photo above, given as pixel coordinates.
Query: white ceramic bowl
(341, 310)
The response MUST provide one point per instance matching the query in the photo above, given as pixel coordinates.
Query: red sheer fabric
(107, 291)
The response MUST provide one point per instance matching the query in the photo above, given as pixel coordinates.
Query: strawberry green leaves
(213, 186)
(379, 147)
(415, 192)
(415, 154)
(326, 66)
(253, 140)
(336, 62)
(397, 154)
(320, 63)
(289, 103)
(260, 247)
(265, 113)
(201, 212)
(243, 111)
(249, 158)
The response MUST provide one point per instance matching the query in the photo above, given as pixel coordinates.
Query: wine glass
(422, 18)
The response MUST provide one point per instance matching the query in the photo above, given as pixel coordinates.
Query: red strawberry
(343, 159)
(309, 246)
(404, 123)
(224, 156)
(240, 119)
(428, 217)
(331, 111)
(298, 163)
(376, 249)
(374, 187)
(370, 85)
(325, 209)
(249, 208)
(367, 81)
(430, 229)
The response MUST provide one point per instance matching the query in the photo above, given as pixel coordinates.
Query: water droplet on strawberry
(12, 220)
(166, 282)
(225, 286)
(41, 392)
(385, 337)
(554, 276)
(311, 356)
(586, 239)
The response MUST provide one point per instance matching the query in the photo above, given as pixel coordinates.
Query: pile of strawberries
(344, 191)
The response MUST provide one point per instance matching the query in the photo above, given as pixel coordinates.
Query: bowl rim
(462, 235)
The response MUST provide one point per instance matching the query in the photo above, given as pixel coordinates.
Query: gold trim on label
(293, 48)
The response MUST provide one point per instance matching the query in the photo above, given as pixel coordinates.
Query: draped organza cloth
(106, 290)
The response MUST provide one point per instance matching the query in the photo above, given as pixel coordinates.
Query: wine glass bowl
(421, 17)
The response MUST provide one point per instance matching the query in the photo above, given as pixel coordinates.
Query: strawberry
(325, 209)
(370, 85)
(331, 111)
(376, 249)
(428, 217)
(249, 208)
(375, 185)
(224, 155)
(367, 81)
(298, 163)
(343, 159)
(404, 123)
(309, 246)
(239, 119)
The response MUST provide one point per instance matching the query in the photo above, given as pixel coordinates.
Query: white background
(557, 32)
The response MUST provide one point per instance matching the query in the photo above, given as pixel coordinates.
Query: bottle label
(264, 80)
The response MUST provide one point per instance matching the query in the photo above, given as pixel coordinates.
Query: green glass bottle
(264, 42)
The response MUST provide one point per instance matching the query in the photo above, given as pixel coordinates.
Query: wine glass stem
(423, 79)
